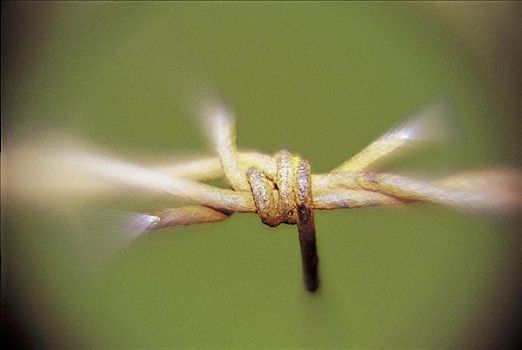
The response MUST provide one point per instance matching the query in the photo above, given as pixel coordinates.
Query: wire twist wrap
(288, 199)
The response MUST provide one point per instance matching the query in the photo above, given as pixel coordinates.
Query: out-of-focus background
(322, 79)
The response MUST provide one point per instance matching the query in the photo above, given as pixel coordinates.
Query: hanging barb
(288, 199)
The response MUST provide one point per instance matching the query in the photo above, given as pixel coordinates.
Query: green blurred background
(322, 79)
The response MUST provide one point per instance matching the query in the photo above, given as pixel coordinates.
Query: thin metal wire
(269, 187)
(281, 189)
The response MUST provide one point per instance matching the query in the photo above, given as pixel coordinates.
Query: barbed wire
(282, 189)
(279, 188)
(265, 184)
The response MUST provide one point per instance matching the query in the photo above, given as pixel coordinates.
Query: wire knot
(288, 199)
(282, 199)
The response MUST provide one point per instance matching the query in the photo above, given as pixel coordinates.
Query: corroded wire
(281, 189)
(291, 203)
(305, 225)
(269, 189)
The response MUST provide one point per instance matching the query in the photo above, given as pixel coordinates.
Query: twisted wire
(288, 199)
(281, 189)
(278, 188)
